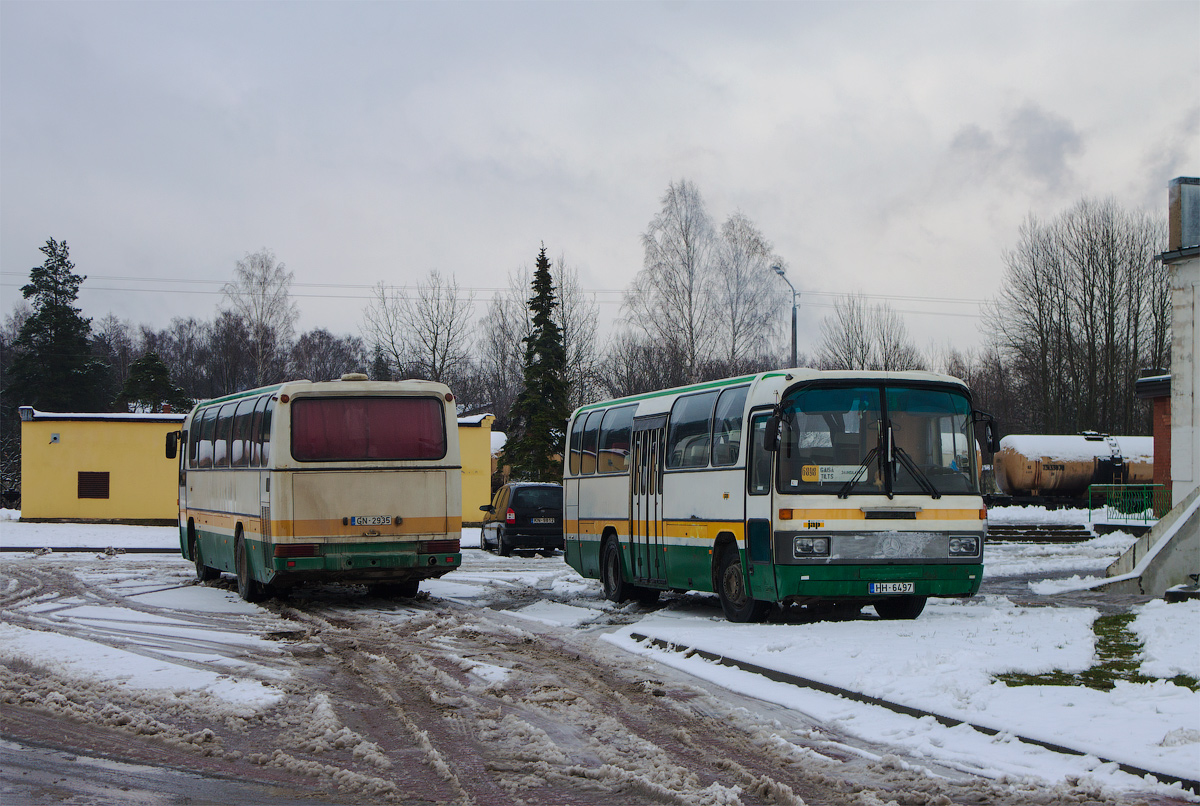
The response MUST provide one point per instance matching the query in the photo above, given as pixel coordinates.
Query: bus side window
(256, 432)
(577, 444)
(223, 435)
(266, 431)
(691, 425)
(614, 440)
(240, 448)
(727, 426)
(759, 460)
(205, 451)
(591, 433)
(194, 440)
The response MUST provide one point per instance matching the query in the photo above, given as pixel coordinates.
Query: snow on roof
(1077, 448)
(30, 413)
(499, 440)
(474, 419)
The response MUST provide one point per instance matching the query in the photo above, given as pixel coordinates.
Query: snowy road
(506, 683)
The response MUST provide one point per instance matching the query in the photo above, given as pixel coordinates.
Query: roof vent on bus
(354, 376)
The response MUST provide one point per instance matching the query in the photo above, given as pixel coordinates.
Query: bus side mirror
(771, 438)
(172, 444)
(989, 434)
(990, 437)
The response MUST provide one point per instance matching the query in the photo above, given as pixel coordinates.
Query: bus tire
(737, 603)
(203, 572)
(616, 589)
(248, 587)
(903, 607)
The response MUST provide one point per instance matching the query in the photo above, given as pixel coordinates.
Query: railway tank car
(1058, 469)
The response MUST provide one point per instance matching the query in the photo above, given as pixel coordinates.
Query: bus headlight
(810, 547)
(964, 545)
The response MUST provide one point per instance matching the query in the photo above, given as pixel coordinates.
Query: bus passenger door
(647, 560)
(760, 542)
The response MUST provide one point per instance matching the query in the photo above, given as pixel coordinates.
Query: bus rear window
(347, 429)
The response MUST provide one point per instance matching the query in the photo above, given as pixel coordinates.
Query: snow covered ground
(943, 663)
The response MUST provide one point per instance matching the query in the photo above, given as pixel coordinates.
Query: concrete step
(1039, 532)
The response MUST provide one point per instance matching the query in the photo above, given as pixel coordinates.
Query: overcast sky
(891, 148)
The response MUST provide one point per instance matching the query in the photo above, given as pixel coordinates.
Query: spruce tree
(54, 369)
(149, 387)
(538, 421)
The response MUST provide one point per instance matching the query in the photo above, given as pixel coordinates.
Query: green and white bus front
(875, 495)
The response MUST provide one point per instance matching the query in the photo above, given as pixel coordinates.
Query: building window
(93, 485)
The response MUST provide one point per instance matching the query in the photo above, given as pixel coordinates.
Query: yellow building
(98, 467)
(113, 467)
(475, 447)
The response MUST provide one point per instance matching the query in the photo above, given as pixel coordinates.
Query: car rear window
(538, 497)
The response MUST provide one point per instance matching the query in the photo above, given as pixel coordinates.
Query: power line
(491, 292)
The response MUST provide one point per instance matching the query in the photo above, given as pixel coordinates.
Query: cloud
(1030, 143)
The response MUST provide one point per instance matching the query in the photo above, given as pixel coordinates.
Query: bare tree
(425, 333)
(184, 347)
(577, 316)
(321, 356)
(260, 294)
(846, 336)
(746, 300)
(115, 343)
(861, 336)
(1083, 308)
(501, 349)
(635, 363)
(671, 298)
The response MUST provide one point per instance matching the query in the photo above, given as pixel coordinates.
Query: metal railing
(1133, 503)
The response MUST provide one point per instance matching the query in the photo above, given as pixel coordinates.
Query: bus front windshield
(855, 440)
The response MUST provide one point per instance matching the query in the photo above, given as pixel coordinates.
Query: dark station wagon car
(524, 516)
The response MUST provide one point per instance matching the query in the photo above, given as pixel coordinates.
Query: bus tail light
(510, 516)
(298, 550)
(437, 547)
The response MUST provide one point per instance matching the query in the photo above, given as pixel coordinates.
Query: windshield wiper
(849, 485)
(917, 473)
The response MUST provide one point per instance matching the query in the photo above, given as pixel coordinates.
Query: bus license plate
(543, 520)
(371, 520)
(891, 587)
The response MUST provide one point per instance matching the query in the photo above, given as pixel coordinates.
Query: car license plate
(371, 520)
(543, 520)
(891, 587)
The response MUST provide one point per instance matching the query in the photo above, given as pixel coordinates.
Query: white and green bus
(843, 489)
(351, 481)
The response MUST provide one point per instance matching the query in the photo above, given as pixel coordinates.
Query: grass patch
(1117, 649)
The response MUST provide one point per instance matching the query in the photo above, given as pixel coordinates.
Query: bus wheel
(904, 607)
(611, 578)
(736, 601)
(203, 572)
(249, 588)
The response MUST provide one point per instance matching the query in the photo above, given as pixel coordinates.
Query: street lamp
(795, 295)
